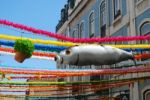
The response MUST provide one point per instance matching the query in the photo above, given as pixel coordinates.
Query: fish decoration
(84, 55)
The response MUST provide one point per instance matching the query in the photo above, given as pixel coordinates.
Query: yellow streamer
(68, 44)
(40, 41)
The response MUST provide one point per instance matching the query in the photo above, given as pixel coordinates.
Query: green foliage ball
(24, 46)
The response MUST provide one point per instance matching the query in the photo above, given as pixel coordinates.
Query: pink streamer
(75, 40)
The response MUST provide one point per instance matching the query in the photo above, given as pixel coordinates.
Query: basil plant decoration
(23, 49)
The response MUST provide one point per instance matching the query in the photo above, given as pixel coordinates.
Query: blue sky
(42, 14)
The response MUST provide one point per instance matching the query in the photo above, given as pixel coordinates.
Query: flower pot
(20, 57)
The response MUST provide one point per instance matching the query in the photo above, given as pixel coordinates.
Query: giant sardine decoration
(92, 55)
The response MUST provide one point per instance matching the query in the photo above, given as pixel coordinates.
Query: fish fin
(133, 57)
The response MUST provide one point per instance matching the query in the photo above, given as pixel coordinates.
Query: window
(71, 3)
(91, 25)
(145, 30)
(138, 1)
(103, 18)
(81, 32)
(117, 8)
(146, 94)
(74, 34)
(103, 13)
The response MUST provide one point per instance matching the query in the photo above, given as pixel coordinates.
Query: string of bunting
(66, 92)
(52, 76)
(32, 77)
(52, 97)
(119, 66)
(36, 57)
(60, 48)
(36, 46)
(39, 41)
(37, 87)
(34, 53)
(49, 76)
(64, 73)
(74, 83)
(65, 38)
(63, 94)
(42, 54)
(72, 44)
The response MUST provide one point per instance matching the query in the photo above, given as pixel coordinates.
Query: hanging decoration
(33, 77)
(67, 73)
(136, 50)
(39, 41)
(143, 56)
(52, 55)
(72, 53)
(61, 37)
(36, 57)
(93, 88)
(41, 54)
(23, 50)
(92, 55)
(100, 82)
(61, 48)
(37, 46)
(68, 44)
(64, 94)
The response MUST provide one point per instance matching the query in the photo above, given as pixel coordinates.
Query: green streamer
(73, 83)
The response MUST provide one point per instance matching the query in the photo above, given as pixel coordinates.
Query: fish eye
(68, 52)
(55, 58)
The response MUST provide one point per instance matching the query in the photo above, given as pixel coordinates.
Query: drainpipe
(134, 90)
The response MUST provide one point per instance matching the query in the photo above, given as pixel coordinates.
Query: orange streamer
(34, 53)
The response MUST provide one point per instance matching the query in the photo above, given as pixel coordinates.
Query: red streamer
(76, 73)
(34, 77)
(142, 56)
(93, 87)
(42, 54)
(83, 40)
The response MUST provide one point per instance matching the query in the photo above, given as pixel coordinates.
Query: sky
(41, 14)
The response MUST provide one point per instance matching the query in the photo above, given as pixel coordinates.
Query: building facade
(108, 18)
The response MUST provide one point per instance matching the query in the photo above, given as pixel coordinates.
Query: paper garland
(74, 83)
(63, 73)
(36, 57)
(142, 46)
(59, 48)
(39, 41)
(64, 88)
(61, 37)
(36, 46)
(42, 54)
(34, 53)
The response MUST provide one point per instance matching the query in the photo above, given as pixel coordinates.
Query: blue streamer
(136, 50)
(37, 46)
(59, 48)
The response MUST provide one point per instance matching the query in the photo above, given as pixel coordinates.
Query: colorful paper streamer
(75, 83)
(37, 46)
(131, 46)
(36, 57)
(64, 73)
(61, 37)
(93, 88)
